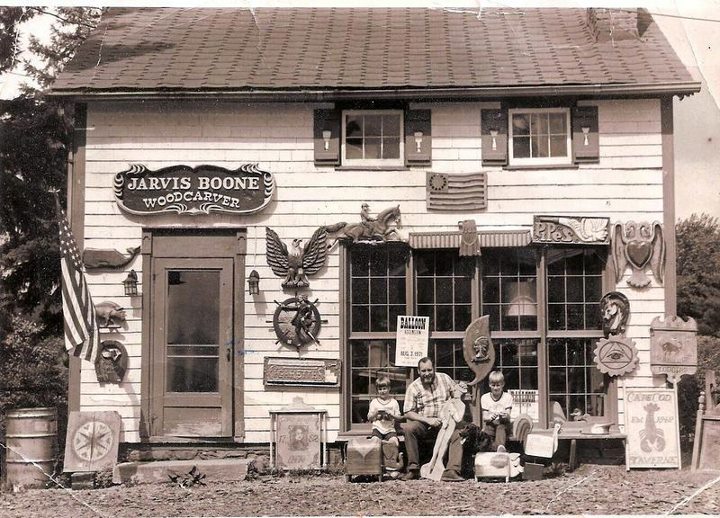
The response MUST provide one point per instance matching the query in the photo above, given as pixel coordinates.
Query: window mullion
(543, 353)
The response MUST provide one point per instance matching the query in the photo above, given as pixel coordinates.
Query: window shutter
(494, 130)
(418, 137)
(327, 145)
(586, 146)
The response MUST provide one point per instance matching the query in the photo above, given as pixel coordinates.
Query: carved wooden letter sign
(570, 230)
(673, 347)
(301, 372)
(639, 245)
(297, 263)
(193, 190)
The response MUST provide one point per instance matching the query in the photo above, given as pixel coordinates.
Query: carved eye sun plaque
(616, 356)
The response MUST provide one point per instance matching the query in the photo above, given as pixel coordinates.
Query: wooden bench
(580, 435)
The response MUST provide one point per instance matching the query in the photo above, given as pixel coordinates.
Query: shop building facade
(514, 163)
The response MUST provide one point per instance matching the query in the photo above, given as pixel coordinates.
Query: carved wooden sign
(673, 347)
(299, 439)
(92, 441)
(616, 356)
(298, 262)
(478, 349)
(305, 371)
(640, 246)
(193, 190)
(652, 428)
(570, 230)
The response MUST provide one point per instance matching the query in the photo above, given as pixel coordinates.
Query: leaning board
(651, 425)
(710, 443)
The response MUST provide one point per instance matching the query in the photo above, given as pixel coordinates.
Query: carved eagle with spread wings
(298, 262)
(639, 245)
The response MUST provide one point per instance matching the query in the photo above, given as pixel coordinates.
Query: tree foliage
(36, 138)
(698, 271)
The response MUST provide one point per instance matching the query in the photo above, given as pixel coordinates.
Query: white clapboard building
(515, 163)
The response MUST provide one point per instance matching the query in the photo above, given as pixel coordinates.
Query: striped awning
(488, 239)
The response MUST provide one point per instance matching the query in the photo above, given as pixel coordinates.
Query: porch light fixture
(326, 137)
(254, 283)
(130, 284)
(418, 141)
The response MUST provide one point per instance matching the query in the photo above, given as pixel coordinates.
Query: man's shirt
(427, 401)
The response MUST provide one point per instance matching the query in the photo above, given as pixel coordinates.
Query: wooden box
(364, 457)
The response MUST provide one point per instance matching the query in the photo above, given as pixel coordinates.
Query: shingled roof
(311, 52)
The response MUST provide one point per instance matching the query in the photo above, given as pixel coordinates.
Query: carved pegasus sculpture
(298, 262)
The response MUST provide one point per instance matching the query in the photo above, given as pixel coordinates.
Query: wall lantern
(326, 137)
(418, 141)
(254, 283)
(130, 284)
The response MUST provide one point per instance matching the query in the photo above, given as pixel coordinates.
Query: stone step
(215, 470)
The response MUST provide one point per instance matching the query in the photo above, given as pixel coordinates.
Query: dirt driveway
(589, 490)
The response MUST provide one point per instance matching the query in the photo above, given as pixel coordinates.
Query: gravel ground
(591, 489)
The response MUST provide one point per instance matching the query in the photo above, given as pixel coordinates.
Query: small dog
(475, 440)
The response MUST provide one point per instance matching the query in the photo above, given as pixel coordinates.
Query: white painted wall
(625, 185)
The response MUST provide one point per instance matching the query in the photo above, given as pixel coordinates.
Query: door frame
(215, 243)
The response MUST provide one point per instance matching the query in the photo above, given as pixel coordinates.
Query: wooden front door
(192, 312)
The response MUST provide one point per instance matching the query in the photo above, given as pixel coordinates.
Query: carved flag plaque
(193, 190)
(570, 230)
(673, 347)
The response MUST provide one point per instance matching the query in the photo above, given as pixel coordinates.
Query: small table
(574, 435)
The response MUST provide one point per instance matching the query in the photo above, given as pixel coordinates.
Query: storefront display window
(547, 362)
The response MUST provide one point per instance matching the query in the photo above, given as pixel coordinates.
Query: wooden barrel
(31, 438)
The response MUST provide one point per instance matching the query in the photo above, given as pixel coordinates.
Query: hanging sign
(412, 340)
(193, 190)
(651, 425)
(673, 347)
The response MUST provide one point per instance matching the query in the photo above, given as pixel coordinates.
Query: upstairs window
(540, 136)
(372, 138)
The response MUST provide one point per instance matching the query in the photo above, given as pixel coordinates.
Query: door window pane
(193, 327)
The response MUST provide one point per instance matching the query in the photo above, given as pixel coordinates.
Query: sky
(692, 26)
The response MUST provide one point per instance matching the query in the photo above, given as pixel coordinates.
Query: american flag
(81, 332)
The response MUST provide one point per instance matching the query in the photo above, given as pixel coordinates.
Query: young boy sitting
(496, 406)
(384, 411)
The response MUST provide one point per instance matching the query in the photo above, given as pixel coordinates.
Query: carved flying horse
(378, 229)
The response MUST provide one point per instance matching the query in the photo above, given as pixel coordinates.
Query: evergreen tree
(698, 272)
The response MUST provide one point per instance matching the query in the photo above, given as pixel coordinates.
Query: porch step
(215, 470)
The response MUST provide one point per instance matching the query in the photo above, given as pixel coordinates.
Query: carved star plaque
(616, 356)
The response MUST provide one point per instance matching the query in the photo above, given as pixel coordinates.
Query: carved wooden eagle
(298, 262)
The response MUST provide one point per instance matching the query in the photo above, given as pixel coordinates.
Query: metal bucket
(31, 439)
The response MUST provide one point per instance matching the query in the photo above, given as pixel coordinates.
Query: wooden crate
(364, 457)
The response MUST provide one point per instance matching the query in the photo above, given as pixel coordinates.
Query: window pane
(463, 289)
(558, 123)
(378, 318)
(372, 148)
(194, 306)
(373, 125)
(558, 146)
(360, 292)
(353, 127)
(360, 319)
(444, 290)
(444, 319)
(575, 384)
(539, 146)
(378, 262)
(539, 124)
(521, 147)
(513, 285)
(353, 148)
(575, 291)
(378, 291)
(521, 124)
(359, 261)
(462, 317)
(391, 125)
(192, 374)
(396, 288)
(444, 262)
(425, 291)
(391, 148)
(491, 290)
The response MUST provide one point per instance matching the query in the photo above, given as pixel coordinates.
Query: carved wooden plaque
(299, 439)
(296, 371)
(652, 428)
(92, 441)
(673, 347)
(193, 190)
(570, 230)
(616, 355)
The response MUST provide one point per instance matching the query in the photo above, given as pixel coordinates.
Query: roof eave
(680, 89)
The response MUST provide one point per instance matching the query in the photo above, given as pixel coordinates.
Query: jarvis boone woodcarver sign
(193, 190)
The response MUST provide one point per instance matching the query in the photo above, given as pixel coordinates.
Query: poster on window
(298, 441)
(412, 340)
(651, 425)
